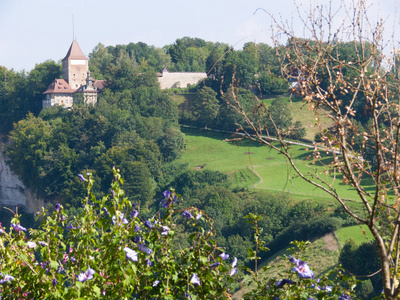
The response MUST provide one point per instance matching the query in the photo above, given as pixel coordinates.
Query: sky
(33, 31)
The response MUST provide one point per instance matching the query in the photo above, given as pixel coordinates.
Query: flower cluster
(111, 249)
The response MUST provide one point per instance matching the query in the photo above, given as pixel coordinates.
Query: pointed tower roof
(74, 52)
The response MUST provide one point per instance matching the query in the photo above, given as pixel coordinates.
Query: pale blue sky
(33, 31)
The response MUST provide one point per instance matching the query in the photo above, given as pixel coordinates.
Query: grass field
(301, 112)
(359, 234)
(253, 165)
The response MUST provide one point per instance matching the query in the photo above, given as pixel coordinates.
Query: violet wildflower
(233, 271)
(344, 297)
(293, 260)
(137, 239)
(71, 227)
(148, 224)
(224, 256)
(121, 217)
(195, 279)
(106, 211)
(198, 217)
(165, 230)
(149, 262)
(134, 213)
(57, 207)
(303, 270)
(327, 288)
(282, 282)
(155, 283)
(6, 278)
(234, 263)
(18, 227)
(187, 214)
(54, 282)
(82, 178)
(187, 295)
(216, 264)
(42, 243)
(145, 249)
(31, 245)
(137, 228)
(82, 277)
(167, 194)
(131, 254)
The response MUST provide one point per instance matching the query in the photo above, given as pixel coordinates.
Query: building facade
(169, 80)
(76, 85)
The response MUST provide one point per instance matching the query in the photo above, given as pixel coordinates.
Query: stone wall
(179, 79)
(12, 191)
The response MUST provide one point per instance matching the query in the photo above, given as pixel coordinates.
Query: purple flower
(303, 270)
(234, 263)
(81, 178)
(145, 249)
(327, 288)
(131, 254)
(106, 211)
(82, 277)
(195, 279)
(282, 282)
(344, 297)
(165, 230)
(71, 227)
(168, 199)
(155, 283)
(134, 213)
(233, 271)
(137, 228)
(216, 264)
(57, 207)
(54, 282)
(187, 214)
(137, 239)
(293, 260)
(6, 278)
(187, 295)
(224, 256)
(121, 217)
(198, 217)
(42, 243)
(148, 262)
(31, 245)
(18, 227)
(148, 224)
(167, 194)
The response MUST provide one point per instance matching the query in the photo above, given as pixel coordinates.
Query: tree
(205, 106)
(338, 84)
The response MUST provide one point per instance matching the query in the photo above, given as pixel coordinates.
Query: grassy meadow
(252, 165)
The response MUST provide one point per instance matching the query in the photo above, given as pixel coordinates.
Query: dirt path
(331, 243)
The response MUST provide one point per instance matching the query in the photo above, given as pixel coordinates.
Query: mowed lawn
(254, 165)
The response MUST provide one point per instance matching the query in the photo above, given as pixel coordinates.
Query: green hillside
(253, 165)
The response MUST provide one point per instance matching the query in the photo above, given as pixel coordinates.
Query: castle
(76, 83)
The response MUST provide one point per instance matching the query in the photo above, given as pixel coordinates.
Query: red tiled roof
(100, 84)
(59, 86)
(75, 52)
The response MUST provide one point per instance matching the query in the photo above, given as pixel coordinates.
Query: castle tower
(75, 66)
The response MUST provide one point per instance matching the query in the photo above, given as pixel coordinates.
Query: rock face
(12, 190)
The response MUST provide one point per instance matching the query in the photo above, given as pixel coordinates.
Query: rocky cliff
(12, 190)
